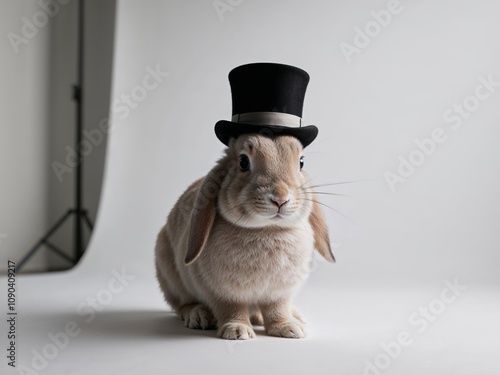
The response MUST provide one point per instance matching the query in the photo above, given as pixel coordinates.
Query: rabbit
(239, 242)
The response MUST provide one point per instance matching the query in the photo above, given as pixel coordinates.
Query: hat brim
(225, 130)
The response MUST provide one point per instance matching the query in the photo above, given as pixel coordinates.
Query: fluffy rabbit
(239, 242)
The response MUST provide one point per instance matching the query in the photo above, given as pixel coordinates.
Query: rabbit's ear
(321, 237)
(203, 214)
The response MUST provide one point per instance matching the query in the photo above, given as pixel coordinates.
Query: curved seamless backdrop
(373, 109)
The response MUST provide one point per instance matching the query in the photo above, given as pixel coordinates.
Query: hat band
(268, 118)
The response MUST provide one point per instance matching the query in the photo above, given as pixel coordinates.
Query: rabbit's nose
(279, 202)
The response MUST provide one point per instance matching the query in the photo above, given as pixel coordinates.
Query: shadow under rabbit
(124, 324)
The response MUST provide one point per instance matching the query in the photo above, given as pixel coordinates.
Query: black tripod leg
(87, 220)
(43, 239)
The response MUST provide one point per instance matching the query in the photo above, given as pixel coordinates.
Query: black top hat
(268, 100)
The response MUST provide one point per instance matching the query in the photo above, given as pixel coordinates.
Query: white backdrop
(440, 222)
(398, 252)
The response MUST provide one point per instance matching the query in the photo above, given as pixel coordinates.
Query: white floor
(135, 334)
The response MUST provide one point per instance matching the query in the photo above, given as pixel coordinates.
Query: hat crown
(267, 100)
(268, 87)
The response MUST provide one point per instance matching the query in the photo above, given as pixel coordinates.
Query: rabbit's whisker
(250, 217)
(342, 183)
(333, 209)
(236, 222)
(237, 206)
(308, 180)
(323, 192)
(242, 216)
(301, 212)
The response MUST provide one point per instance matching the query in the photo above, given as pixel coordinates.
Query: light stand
(78, 211)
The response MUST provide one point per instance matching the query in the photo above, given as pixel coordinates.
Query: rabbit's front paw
(236, 331)
(297, 315)
(294, 330)
(200, 317)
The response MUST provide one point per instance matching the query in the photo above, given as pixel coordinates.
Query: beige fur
(226, 259)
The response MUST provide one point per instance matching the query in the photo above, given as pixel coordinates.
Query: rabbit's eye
(244, 163)
(301, 162)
